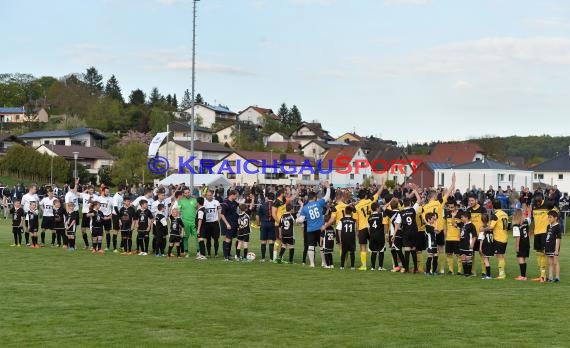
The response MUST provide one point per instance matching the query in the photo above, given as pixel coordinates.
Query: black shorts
(115, 222)
(267, 232)
(230, 233)
(212, 230)
(17, 230)
(398, 241)
(289, 240)
(70, 233)
(243, 237)
(107, 224)
(142, 234)
(377, 242)
(175, 239)
(488, 248)
(464, 252)
(431, 245)
(452, 247)
(500, 248)
(96, 232)
(126, 233)
(85, 220)
(47, 223)
(440, 238)
(313, 238)
(421, 241)
(539, 242)
(477, 244)
(363, 236)
(524, 251)
(409, 239)
(348, 242)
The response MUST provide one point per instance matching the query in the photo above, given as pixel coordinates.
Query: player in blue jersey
(314, 213)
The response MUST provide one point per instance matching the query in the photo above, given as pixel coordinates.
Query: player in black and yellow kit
(277, 211)
(451, 230)
(287, 235)
(467, 239)
(363, 211)
(410, 230)
(522, 241)
(347, 228)
(499, 225)
(540, 209)
(552, 246)
(477, 211)
(377, 237)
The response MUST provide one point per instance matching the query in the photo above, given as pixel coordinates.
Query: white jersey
(212, 210)
(106, 204)
(137, 201)
(71, 197)
(27, 199)
(117, 203)
(154, 206)
(85, 202)
(47, 206)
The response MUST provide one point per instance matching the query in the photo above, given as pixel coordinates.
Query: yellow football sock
(459, 266)
(276, 246)
(420, 262)
(363, 258)
(449, 263)
(483, 267)
(501, 266)
(542, 264)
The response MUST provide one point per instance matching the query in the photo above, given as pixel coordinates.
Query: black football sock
(428, 264)
(43, 235)
(35, 240)
(53, 237)
(465, 267)
(108, 240)
(401, 257)
(352, 259)
(263, 251)
(407, 260)
(130, 244)
(271, 247)
(209, 246)
(27, 236)
(225, 249)
(415, 260)
(342, 258)
(202, 248)
(100, 245)
(154, 244)
(146, 240)
(469, 266)
(381, 259)
(19, 238)
(394, 257)
(170, 250)
(163, 245)
(114, 242)
(292, 254)
(15, 238)
(488, 271)
(281, 252)
(216, 246)
(238, 253)
(523, 269)
(85, 240)
(373, 260)
(435, 260)
(245, 251)
(140, 244)
(179, 250)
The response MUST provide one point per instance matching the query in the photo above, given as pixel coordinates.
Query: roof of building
(283, 145)
(223, 109)
(335, 152)
(180, 126)
(456, 153)
(203, 146)
(316, 128)
(557, 164)
(97, 134)
(433, 165)
(10, 137)
(270, 157)
(84, 152)
(12, 110)
(483, 164)
(354, 135)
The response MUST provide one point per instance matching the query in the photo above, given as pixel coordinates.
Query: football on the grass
(250, 256)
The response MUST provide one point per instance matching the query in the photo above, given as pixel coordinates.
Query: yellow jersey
(453, 232)
(363, 211)
(281, 208)
(499, 222)
(540, 217)
(420, 220)
(476, 213)
(435, 206)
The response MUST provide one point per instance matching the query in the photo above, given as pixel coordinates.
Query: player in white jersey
(212, 225)
(86, 200)
(28, 198)
(147, 197)
(71, 195)
(46, 206)
(106, 207)
(117, 205)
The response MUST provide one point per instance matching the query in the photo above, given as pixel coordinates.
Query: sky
(406, 70)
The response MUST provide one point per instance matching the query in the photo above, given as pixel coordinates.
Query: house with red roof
(339, 163)
(256, 115)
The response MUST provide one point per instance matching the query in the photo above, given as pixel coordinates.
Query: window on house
(225, 137)
(501, 177)
(271, 176)
(306, 177)
(61, 142)
(46, 142)
(538, 176)
(364, 176)
(351, 176)
(560, 176)
(511, 177)
(232, 163)
(292, 175)
(231, 175)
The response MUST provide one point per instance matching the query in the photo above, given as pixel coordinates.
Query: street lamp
(192, 119)
(75, 155)
(51, 167)
(271, 176)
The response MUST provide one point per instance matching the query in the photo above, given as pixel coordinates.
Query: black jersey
(160, 224)
(243, 224)
(96, 220)
(467, 233)
(375, 224)
(33, 221)
(71, 220)
(200, 215)
(409, 224)
(176, 226)
(552, 234)
(17, 216)
(59, 218)
(329, 240)
(348, 226)
(287, 222)
(143, 217)
(126, 216)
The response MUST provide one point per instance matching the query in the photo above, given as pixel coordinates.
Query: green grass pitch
(53, 298)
